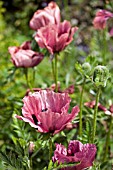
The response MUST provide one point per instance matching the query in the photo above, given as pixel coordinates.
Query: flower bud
(100, 76)
(86, 67)
(31, 148)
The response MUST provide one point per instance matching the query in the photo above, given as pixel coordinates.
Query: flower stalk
(27, 80)
(95, 114)
(108, 139)
(81, 106)
(50, 148)
(53, 71)
(104, 44)
(56, 72)
(34, 73)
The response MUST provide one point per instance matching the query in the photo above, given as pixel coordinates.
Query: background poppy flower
(55, 37)
(49, 15)
(100, 19)
(23, 56)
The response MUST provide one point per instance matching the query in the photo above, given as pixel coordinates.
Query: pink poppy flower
(100, 19)
(47, 111)
(55, 37)
(49, 15)
(69, 90)
(76, 152)
(100, 107)
(23, 56)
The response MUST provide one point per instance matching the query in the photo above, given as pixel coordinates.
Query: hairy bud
(101, 75)
(86, 67)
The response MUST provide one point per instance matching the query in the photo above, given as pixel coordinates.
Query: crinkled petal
(32, 106)
(28, 120)
(87, 156)
(55, 101)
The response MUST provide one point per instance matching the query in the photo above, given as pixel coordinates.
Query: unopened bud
(101, 75)
(86, 67)
(31, 148)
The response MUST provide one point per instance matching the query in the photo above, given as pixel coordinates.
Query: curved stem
(81, 105)
(108, 139)
(95, 115)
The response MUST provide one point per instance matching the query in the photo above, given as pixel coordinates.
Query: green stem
(104, 46)
(27, 80)
(29, 164)
(34, 75)
(95, 114)
(50, 148)
(26, 76)
(53, 70)
(56, 73)
(108, 139)
(81, 105)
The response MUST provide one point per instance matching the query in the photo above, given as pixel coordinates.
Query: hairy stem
(53, 69)
(27, 80)
(34, 72)
(50, 148)
(56, 72)
(108, 139)
(81, 105)
(95, 115)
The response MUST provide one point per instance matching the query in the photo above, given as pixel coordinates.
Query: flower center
(44, 110)
(35, 119)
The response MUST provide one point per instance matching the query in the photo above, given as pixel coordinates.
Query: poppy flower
(49, 15)
(82, 154)
(69, 90)
(100, 19)
(47, 111)
(100, 107)
(23, 56)
(55, 37)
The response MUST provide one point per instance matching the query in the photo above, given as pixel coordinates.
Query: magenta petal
(83, 155)
(87, 156)
(26, 45)
(74, 147)
(60, 154)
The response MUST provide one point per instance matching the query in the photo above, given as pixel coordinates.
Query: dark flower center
(43, 110)
(35, 119)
